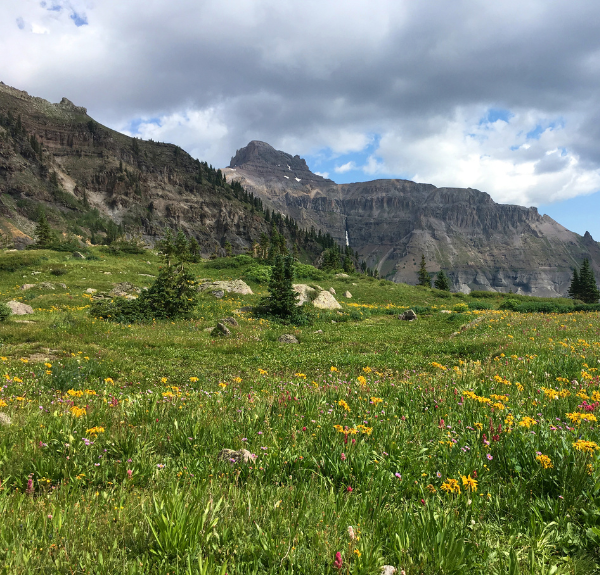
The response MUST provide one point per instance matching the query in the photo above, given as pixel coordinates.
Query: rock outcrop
(480, 244)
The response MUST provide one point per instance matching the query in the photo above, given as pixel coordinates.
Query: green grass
(415, 402)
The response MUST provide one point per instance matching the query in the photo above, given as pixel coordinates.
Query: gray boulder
(46, 285)
(233, 286)
(325, 300)
(78, 256)
(27, 286)
(221, 330)
(348, 295)
(19, 308)
(408, 315)
(332, 291)
(287, 338)
(230, 320)
(303, 292)
(124, 289)
(218, 293)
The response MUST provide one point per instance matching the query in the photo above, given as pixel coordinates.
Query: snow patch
(297, 179)
(287, 177)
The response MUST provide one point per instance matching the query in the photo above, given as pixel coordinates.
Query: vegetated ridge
(480, 244)
(98, 184)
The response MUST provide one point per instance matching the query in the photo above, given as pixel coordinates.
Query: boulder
(218, 293)
(388, 570)
(445, 311)
(347, 295)
(19, 308)
(287, 338)
(331, 291)
(91, 290)
(408, 315)
(124, 289)
(230, 320)
(342, 276)
(232, 456)
(326, 301)
(303, 291)
(78, 256)
(27, 286)
(318, 331)
(233, 286)
(46, 285)
(221, 330)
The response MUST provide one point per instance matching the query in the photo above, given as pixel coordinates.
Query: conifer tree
(282, 298)
(43, 233)
(575, 287)
(424, 278)
(442, 282)
(589, 290)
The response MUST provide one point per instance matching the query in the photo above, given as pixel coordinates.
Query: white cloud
(323, 174)
(345, 168)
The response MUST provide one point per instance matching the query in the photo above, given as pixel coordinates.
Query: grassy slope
(170, 394)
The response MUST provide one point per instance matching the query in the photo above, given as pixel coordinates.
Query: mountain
(482, 245)
(97, 183)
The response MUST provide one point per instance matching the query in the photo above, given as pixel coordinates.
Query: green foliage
(424, 277)
(282, 299)
(45, 237)
(259, 274)
(230, 262)
(480, 305)
(305, 271)
(57, 272)
(19, 261)
(442, 282)
(583, 284)
(483, 294)
(122, 245)
(5, 312)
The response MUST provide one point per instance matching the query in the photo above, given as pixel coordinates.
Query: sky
(503, 96)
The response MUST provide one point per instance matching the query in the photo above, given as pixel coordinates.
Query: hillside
(482, 245)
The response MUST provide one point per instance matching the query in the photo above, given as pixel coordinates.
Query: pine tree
(424, 279)
(575, 287)
(43, 233)
(589, 292)
(442, 282)
(282, 298)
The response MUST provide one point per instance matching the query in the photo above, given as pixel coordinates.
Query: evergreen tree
(424, 278)
(442, 282)
(348, 265)
(589, 292)
(575, 287)
(43, 233)
(282, 298)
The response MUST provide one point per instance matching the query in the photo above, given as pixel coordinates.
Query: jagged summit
(260, 158)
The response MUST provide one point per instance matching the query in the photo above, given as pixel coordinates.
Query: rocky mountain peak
(261, 158)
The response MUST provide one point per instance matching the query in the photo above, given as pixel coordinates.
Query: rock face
(19, 308)
(480, 244)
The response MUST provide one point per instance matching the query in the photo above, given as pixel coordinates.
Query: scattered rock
(233, 286)
(408, 315)
(208, 328)
(342, 276)
(326, 301)
(63, 286)
(78, 256)
(388, 570)
(348, 295)
(46, 285)
(241, 456)
(303, 291)
(124, 289)
(221, 330)
(218, 293)
(23, 321)
(244, 309)
(19, 308)
(107, 273)
(147, 275)
(27, 286)
(91, 290)
(445, 311)
(287, 338)
(331, 291)
(130, 296)
(5, 420)
(35, 273)
(318, 331)
(231, 321)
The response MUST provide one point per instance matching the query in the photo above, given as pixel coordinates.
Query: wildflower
(160, 465)
(163, 380)
(489, 456)
(262, 372)
(585, 446)
(129, 473)
(193, 379)
(50, 516)
(343, 457)
(367, 369)
(351, 533)
(338, 563)
(469, 483)
(349, 489)
(223, 385)
(343, 404)
(431, 488)
(545, 461)
(332, 369)
(398, 476)
(451, 486)
(376, 400)
(527, 422)
(361, 380)
(95, 430)
(358, 553)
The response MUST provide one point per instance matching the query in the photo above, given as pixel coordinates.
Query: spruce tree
(282, 298)
(589, 292)
(575, 287)
(442, 282)
(424, 279)
(43, 233)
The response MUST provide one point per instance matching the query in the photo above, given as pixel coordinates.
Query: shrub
(308, 272)
(5, 312)
(124, 246)
(12, 262)
(461, 307)
(120, 310)
(259, 274)
(480, 305)
(59, 271)
(230, 262)
(510, 304)
(483, 294)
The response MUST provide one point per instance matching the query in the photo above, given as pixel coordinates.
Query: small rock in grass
(348, 295)
(388, 570)
(46, 285)
(445, 311)
(318, 331)
(218, 293)
(19, 308)
(27, 286)
(231, 321)
(241, 456)
(221, 330)
(408, 315)
(287, 338)
(326, 301)
(78, 256)
(5, 420)
(91, 290)
(332, 291)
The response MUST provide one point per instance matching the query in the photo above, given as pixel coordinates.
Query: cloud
(345, 168)
(323, 174)
(461, 93)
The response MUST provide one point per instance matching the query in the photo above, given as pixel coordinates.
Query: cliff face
(481, 244)
(90, 179)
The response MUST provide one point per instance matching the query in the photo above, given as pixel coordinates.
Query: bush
(120, 310)
(5, 312)
(483, 294)
(510, 304)
(12, 262)
(259, 274)
(480, 305)
(308, 272)
(59, 271)
(230, 262)
(125, 246)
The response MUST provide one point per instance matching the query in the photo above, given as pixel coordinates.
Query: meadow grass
(445, 450)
